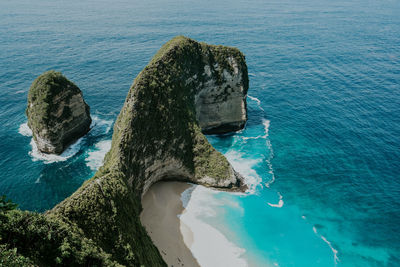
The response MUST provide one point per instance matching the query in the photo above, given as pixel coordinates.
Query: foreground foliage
(44, 241)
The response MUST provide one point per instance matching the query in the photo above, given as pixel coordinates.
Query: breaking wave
(258, 101)
(25, 130)
(96, 155)
(246, 168)
(51, 158)
(206, 238)
(334, 251)
(280, 202)
(98, 127)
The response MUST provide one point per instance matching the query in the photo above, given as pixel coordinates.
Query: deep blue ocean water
(324, 113)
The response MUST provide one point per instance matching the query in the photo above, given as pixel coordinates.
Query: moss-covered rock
(157, 136)
(57, 113)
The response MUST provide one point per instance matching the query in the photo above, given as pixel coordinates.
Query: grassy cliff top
(51, 83)
(42, 96)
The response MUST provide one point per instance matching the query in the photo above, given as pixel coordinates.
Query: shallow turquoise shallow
(324, 74)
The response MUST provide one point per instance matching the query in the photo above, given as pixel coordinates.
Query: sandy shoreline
(161, 206)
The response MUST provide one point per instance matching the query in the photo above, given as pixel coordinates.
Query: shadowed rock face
(220, 97)
(188, 87)
(57, 113)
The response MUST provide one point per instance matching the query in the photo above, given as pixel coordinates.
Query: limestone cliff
(158, 136)
(220, 96)
(57, 113)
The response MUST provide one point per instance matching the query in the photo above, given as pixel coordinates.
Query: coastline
(210, 246)
(161, 207)
(173, 215)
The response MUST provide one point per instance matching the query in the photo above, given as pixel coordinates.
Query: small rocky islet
(188, 88)
(57, 113)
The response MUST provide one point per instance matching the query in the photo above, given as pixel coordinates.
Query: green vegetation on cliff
(156, 137)
(57, 113)
(41, 94)
(33, 239)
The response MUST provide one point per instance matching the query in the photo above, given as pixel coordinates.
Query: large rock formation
(158, 136)
(220, 95)
(57, 113)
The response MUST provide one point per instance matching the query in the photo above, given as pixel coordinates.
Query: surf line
(258, 101)
(335, 252)
(266, 124)
(271, 154)
(280, 202)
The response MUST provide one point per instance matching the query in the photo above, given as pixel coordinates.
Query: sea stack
(57, 113)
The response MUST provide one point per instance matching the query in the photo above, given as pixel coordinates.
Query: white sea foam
(98, 127)
(100, 124)
(245, 167)
(280, 202)
(258, 101)
(334, 251)
(25, 130)
(38, 180)
(96, 156)
(210, 247)
(264, 136)
(48, 158)
(271, 154)
(51, 158)
(266, 124)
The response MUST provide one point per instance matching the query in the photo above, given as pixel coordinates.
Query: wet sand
(161, 206)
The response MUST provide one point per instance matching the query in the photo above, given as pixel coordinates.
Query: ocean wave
(258, 101)
(280, 202)
(209, 246)
(266, 124)
(98, 127)
(96, 156)
(270, 155)
(24, 129)
(51, 158)
(245, 167)
(185, 196)
(101, 125)
(48, 158)
(334, 251)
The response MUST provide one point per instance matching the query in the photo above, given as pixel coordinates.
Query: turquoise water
(327, 78)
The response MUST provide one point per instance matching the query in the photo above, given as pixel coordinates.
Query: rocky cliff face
(187, 88)
(158, 136)
(220, 97)
(57, 113)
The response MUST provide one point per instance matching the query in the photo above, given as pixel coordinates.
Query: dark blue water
(326, 73)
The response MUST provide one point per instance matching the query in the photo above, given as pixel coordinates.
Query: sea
(321, 148)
